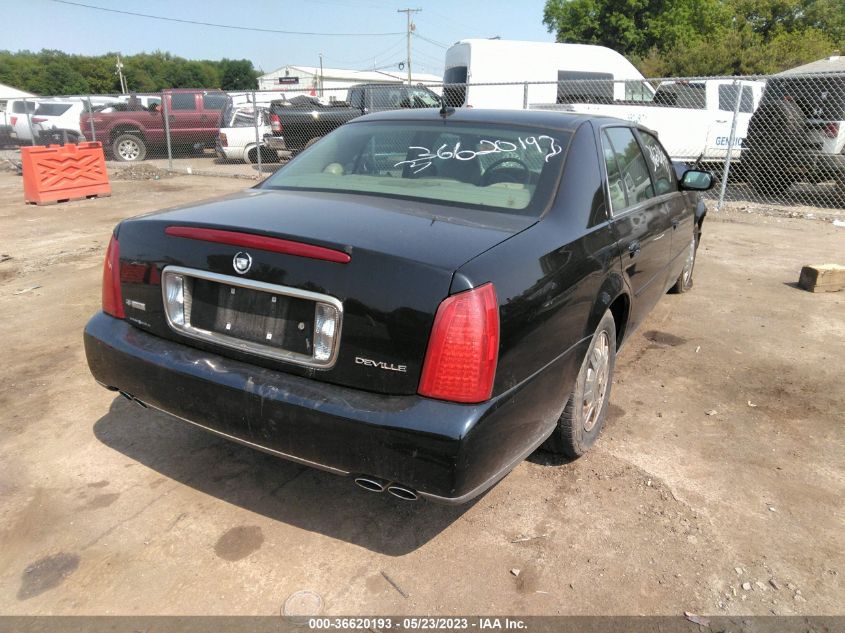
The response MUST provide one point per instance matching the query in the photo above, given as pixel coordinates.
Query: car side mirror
(695, 180)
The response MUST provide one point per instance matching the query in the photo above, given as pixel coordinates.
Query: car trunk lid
(392, 266)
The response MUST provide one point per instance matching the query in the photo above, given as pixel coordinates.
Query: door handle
(634, 248)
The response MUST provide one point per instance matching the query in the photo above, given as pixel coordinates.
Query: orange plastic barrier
(57, 173)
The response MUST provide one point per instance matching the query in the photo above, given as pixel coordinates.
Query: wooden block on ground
(822, 278)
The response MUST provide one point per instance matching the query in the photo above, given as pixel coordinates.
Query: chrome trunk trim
(248, 346)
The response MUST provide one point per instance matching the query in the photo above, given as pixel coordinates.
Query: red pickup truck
(193, 117)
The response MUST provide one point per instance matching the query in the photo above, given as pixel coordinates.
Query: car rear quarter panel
(553, 282)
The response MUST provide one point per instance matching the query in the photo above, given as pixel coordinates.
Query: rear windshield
(489, 167)
(455, 94)
(819, 96)
(52, 109)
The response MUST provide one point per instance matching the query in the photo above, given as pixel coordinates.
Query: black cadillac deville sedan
(418, 301)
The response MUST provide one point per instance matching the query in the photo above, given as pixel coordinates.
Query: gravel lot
(717, 487)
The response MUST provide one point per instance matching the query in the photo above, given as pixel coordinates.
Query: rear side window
(579, 86)
(455, 95)
(727, 98)
(52, 109)
(183, 101)
(214, 101)
(631, 165)
(682, 94)
(661, 165)
(21, 107)
(387, 97)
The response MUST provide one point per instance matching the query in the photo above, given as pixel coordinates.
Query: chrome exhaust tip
(401, 492)
(373, 484)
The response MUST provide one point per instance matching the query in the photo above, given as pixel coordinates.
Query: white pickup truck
(692, 117)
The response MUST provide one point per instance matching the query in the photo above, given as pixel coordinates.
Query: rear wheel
(267, 156)
(769, 183)
(585, 411)
(129, 148)
(684, 282)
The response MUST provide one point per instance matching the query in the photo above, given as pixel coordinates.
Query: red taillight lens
(276, 124)
(112, 297)
(463, 350)
(38, 119)
(13, 120)
(831, 129)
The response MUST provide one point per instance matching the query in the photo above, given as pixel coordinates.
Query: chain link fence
(772, 140)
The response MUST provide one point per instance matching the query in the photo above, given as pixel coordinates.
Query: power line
(390, 50)
(430, 41)
(221, 26)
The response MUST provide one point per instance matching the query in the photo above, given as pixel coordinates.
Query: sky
(75, 29)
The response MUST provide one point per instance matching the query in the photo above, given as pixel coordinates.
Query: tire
(129, 148)
(578, 427)
(684, 281)
(767, 183)
(267, 156)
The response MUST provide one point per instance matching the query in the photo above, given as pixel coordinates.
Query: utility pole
(410, 29)
(321, 74)
(119, 66)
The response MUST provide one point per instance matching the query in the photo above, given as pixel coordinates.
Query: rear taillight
(276, 124)
(831, 129)
(112, 297)
(38, 119)
(460, 363)
(224, 142)
(13, 120)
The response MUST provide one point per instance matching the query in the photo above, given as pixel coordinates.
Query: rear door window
(727, 98)
(661, 166)
(214, 101)
(387, 97)
(682, 94)
(183, 101)
(631, 165)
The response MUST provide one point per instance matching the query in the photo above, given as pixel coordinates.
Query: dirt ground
(717, 486)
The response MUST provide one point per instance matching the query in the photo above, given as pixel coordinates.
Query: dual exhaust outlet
(375, 484)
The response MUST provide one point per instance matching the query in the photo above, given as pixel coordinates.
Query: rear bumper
(446, 452)
(275, 142)
(223, 152)
(798, 162)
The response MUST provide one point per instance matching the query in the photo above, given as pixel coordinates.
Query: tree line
(51, 72)
(703, 37)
